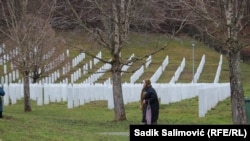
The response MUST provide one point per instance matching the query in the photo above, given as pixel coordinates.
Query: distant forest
(157, 16)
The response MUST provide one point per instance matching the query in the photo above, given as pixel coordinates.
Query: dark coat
(152, 98)
(2, 93)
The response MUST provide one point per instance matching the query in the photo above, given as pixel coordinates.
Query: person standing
(149, 96)
(2, 93)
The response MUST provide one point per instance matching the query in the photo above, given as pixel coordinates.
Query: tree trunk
(237, 93)
(119, 108)
(234, 13)
(119, 35)
(27, 107)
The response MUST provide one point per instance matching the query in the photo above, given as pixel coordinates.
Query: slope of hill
(177, 50)
(181, 47)
(142, 44)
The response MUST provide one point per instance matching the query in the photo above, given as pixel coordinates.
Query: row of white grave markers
(178, 71)
(10, 77)
(100, 72)
(96, 60)
(13, 76)
(124, 68)
(56, 62)
(154, 78)
(148, 61)
(209, 94)
(56, 74)
(76, 75)
(79, 72)
(209, 97)
(199, 69)
(51, 65)
(80, 57)
(65, 69)
(4, 59)
(217, 76)
(137, 74)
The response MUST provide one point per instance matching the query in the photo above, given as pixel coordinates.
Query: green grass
(54, 122)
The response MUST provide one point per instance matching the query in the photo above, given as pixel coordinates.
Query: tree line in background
(158, 16)
(30, 27)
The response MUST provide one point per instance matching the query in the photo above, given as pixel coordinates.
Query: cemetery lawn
(94, 121)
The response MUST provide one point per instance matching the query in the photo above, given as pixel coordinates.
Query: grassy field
(92, 121)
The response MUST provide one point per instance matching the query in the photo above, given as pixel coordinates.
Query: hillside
(141, 44)
(176, 51)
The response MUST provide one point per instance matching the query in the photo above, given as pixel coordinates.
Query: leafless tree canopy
(30, 32)
(31, 41)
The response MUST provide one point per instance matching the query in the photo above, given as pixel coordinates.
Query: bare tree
(30, 39)
(115, 24)
(224, 21)
(115, 19)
